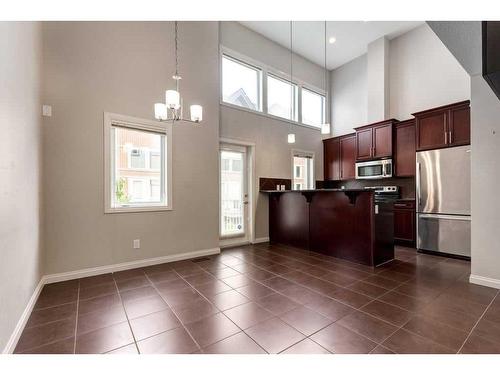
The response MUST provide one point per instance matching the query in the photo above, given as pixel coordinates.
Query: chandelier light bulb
(161, 111)
(173, 99)
(196, 113)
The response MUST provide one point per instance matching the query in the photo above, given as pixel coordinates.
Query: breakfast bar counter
(343, 223)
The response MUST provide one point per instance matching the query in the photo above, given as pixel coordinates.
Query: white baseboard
(485, 281)
(21, 323)
(261, 240)
(234, 244)
(48, 279)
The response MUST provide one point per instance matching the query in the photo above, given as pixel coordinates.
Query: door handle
(449, 137)
(445, 137)
(419, 199)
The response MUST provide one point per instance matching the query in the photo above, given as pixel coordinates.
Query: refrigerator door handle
(447, 217)
(419, 198)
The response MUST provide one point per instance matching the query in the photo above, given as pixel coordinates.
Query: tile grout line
(51, 322)
(221, 311)
(266, 262)
(126, 315)
(173, 312)
(399, 327)
(334, 321)
(76, 317)
(477, 322)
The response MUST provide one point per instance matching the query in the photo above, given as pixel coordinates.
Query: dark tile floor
(270, 299)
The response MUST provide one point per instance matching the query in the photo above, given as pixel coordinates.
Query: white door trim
(252, 189)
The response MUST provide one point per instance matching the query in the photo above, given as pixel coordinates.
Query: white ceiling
(352, 37)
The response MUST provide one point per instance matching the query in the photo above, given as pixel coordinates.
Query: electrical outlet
(46, 110)
(137, 244)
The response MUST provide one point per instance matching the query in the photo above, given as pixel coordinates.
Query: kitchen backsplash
(267, 183)
(406, 184)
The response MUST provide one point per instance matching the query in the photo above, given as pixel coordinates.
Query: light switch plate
(46, 110)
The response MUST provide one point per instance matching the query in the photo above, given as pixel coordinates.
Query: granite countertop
(315, 190)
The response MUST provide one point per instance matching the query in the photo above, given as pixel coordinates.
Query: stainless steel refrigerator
(443, 200)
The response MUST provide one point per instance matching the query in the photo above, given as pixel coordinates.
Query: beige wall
(124, 67)
(20, 170)
(349, 96)
(423, 74)
(485, 179)
(272, 152)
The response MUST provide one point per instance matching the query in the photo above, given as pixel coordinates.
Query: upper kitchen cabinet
(331, 156)
(445, 126)
(339, 157)
(459, 125)
(347, 157)
(364, 143)
(374, 141)
(404, 148)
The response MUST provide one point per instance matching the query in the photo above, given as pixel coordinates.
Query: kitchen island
(344, 223)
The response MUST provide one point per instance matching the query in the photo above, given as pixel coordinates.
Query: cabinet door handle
(449, 137)
(445, 138)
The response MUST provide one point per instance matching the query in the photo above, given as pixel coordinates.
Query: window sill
(123, 210)
(259, 113)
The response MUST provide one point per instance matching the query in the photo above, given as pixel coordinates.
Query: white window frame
(265, 70)
(307, 154)
(111, 120)
(323, 115)
(260, 82)
(295, 101)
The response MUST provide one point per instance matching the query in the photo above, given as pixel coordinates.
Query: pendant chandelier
(325, 127)
(291, 135)
(171, 110)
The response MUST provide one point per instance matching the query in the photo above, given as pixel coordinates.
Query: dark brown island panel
(346, 224)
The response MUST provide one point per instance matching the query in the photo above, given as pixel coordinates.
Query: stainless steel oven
(374, 169)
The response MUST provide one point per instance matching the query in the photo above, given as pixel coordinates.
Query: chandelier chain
(176, 50)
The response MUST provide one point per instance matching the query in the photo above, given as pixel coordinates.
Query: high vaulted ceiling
(352, 37)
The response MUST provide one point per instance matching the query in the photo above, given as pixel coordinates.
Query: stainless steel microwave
(374, 169)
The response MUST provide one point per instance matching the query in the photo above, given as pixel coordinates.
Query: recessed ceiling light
(332, 40)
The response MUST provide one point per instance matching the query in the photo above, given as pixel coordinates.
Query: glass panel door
(233, 192)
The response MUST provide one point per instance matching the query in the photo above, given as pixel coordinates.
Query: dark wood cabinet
(404, 148)
(374, 141)
(382, 140)
(459, 125)
(331, 157)
(445, 126)
(339, 156)
(347, 157)
(404, 222)
(364, 144)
